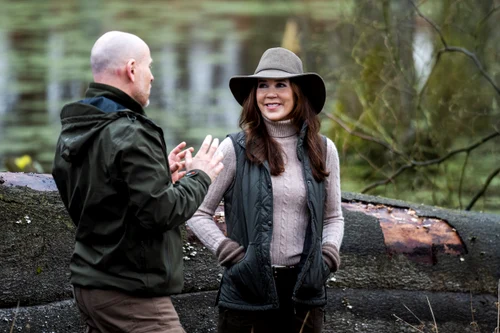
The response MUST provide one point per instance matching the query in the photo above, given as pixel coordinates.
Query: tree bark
(393, 253)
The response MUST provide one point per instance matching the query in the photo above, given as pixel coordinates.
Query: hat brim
(312, 85)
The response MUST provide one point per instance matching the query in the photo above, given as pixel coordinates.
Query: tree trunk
(394, 254)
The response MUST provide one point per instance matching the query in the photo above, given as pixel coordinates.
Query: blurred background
(413, 97)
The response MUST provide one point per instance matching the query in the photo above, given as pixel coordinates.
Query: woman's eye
(262, 85)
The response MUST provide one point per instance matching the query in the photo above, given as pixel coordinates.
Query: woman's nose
(272, 93)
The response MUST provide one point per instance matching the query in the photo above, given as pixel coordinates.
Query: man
(125, 195)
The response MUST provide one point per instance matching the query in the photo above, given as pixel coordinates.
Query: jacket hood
(81, 122)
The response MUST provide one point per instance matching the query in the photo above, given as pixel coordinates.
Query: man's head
(124, 61)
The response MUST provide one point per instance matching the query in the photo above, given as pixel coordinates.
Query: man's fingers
(205, 145)
(213, 147)
(174, 167)
(182, 154)
(208, 147)
(181, 165)
(218, 168)
(217, 158)
(207, 159)
(178, 148)
(188, 160)
(180, 174)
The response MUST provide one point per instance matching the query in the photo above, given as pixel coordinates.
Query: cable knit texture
(229, 252)
(290, 214)
(331, 256)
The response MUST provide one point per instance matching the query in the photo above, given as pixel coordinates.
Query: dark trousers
(289, 318)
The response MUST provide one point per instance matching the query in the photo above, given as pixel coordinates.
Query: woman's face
(275, 98)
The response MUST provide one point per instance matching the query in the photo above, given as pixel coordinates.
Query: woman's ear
(130, 68)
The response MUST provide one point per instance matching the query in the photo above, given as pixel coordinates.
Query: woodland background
(413, 86)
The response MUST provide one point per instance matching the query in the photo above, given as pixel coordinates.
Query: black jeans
(289, 318)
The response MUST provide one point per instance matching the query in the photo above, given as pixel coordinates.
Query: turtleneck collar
(281, 128)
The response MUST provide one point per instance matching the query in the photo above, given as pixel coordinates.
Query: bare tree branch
(410, 163)
(487, 16)
(483, 189)
(476, 62)
(457, 151)
(413, 164)
(367, 159)
(428, 20)
(388, 180)
(455, 49)
(363, 136)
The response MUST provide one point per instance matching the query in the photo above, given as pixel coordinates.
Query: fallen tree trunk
(396, 257)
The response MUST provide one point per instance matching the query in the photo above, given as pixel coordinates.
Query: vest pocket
(243, 282)
(326, 270)
(313, 285)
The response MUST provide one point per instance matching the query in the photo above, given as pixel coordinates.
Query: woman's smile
(275, 98)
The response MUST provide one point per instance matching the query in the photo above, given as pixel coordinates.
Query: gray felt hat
(280, 63)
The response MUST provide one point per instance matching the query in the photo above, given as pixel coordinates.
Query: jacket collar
(115, 94)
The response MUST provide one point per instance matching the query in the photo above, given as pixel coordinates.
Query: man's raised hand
(206, 159)
(175, 160)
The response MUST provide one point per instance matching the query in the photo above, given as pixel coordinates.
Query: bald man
(125, 195)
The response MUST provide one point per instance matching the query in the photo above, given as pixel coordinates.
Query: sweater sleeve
(333, 224)
(202, 223)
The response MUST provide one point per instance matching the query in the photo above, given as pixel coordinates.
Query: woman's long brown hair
(260, 146)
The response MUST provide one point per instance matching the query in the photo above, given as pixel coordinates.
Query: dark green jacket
(111, 170)
(248, 205)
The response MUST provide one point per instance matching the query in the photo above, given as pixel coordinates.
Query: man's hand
(205, 159)
(175, 160)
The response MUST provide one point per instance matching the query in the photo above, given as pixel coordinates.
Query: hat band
(270, 73)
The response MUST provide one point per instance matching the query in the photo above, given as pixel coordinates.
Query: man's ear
(130, 69)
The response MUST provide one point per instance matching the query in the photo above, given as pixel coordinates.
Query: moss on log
(394, 254)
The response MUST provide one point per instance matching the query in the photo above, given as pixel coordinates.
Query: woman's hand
(331, 256)
(229, 252)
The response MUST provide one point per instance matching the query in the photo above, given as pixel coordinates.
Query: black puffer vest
(249, 284)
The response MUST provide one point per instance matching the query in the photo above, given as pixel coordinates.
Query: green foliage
(380, 95)
(364, 49)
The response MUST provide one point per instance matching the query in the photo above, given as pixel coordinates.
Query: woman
(281, 191)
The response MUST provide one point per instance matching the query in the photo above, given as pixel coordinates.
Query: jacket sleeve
(142, 164)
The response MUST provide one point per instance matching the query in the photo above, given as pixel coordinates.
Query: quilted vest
(248, 205)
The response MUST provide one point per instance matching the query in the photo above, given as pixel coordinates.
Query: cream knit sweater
(290, 213)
